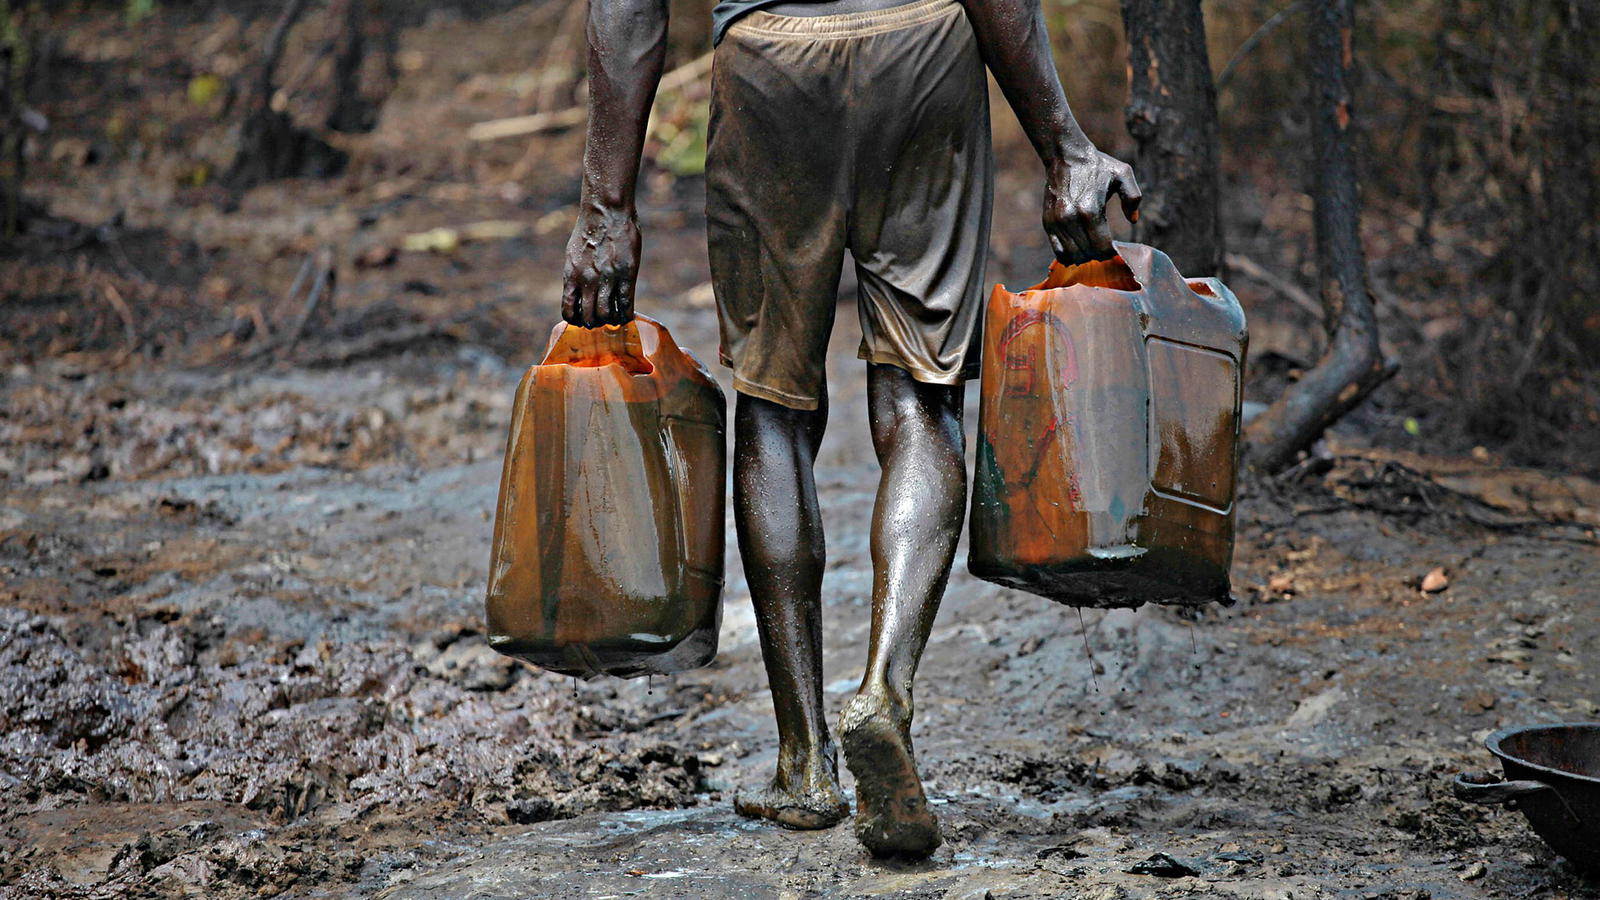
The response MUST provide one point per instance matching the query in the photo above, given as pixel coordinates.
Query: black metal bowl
(1552, 774)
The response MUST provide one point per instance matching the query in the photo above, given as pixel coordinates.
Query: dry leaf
(1435, 581)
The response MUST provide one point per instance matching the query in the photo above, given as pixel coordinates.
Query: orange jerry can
(1108, 435)
(608, 535)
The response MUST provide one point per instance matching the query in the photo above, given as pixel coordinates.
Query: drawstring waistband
(845, 25)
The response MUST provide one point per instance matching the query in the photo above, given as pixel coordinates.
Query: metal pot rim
(1492, 742)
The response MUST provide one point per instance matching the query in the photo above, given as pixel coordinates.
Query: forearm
(627, 49)
(1016, 48)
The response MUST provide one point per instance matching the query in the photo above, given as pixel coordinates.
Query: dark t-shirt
(728, 11)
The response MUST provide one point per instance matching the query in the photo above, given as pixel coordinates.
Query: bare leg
(780, 538)
(917, 432)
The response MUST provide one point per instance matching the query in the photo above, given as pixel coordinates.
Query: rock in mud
(1163, 865)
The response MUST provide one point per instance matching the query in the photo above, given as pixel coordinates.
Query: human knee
(904, 409)
(758, 421)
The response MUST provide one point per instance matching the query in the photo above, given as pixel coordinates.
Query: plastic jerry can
(1109, 435)
(608, 535)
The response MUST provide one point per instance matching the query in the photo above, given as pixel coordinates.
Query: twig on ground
(260, 320)
(1249, 268)
(326, 282)
(318, 269)
(1376, 488)
(534, 124)
(114, 298)
(299, 279)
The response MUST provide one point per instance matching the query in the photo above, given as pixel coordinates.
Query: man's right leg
(780, 538)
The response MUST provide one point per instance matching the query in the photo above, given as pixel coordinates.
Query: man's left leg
(917, 433)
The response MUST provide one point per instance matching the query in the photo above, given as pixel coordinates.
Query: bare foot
(809, 802)
(892, 815)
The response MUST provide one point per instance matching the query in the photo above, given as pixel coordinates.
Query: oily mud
(276, 681)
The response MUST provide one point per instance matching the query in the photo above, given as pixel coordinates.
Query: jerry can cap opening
(624, 345)
(1113, 273)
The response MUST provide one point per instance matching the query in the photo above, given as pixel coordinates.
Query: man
(859, 125)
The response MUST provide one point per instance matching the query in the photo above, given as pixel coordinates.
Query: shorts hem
(918, 373)
(782, 398)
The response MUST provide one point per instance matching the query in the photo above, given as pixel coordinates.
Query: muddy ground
(242, 567)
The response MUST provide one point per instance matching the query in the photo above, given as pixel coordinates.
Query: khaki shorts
(867, 132)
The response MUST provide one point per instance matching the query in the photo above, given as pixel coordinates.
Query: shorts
(867, 132)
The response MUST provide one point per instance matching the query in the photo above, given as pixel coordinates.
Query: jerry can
(608, 535)
(1108, 435)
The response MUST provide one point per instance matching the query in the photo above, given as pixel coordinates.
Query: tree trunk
(352, 112)
(1172, 113)
(1353, 364)
(14, 47)
(270, 146)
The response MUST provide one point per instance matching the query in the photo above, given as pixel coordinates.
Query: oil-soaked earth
(254, 682)
(241, 577)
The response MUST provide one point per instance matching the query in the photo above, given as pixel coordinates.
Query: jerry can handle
(605, 345)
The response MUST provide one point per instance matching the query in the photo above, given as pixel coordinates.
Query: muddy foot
(817, 807)
(892, 815)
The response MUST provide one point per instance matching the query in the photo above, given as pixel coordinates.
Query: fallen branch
(555, 120)
(378, 343)
(1244, 265)
(686, 74)
(1255, 38)
(534, 124)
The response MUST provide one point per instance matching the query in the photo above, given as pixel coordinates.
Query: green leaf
(204, 88)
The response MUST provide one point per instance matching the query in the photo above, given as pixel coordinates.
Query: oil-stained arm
(627, 48)
(1079, 179)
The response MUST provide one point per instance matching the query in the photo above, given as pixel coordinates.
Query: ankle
(808, 764)
(882, 698)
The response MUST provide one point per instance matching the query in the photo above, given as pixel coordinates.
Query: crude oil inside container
(608, 538)
(1109, 435)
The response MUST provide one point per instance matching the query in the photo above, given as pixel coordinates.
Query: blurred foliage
(1483, 130)
(1479, 123)
(681, 133)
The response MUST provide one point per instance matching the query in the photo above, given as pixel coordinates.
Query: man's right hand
(1076, 191)
(602, 265)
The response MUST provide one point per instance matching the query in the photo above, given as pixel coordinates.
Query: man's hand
(1075, 195)
(602, 265)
